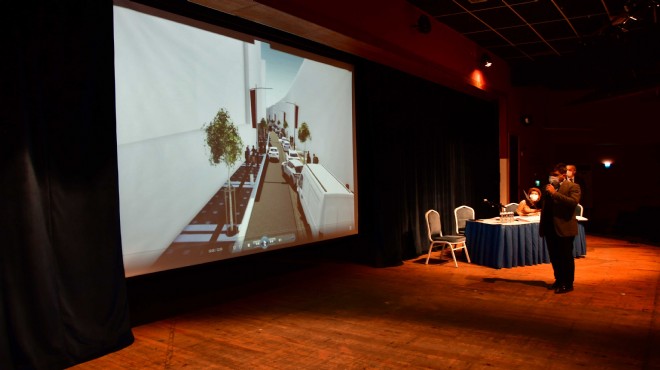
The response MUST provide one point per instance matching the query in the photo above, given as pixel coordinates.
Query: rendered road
(273, 213)
(276, 211)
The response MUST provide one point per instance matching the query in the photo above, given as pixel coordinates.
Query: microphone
(555, 184)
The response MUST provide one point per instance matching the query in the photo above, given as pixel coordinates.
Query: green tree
(285, 125)
(304, 135)
(225, 145)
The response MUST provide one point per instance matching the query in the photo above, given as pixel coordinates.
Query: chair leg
(451, 248)
(467, 255)
(429, 255)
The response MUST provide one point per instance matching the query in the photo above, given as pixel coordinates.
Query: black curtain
(420, 146)
(62, 287)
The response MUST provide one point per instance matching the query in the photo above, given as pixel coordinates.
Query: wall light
(607, 163)
(478, 79)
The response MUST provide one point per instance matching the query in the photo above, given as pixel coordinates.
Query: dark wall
(584, 128)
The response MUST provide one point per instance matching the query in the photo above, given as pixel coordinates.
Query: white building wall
(325, 96)
(171, 80)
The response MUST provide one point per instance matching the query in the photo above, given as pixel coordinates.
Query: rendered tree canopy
(303, 132)
(226, 145)
(223, 140)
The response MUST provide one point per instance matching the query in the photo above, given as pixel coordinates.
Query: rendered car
(293, 155)
(285, 145)
(291, 170)
(273, 154)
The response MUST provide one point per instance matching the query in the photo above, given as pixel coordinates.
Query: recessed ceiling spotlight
(423, 24)
(485, 61)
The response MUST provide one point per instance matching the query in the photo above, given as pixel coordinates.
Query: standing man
(571, 170)
(559, 226)
(572, 176)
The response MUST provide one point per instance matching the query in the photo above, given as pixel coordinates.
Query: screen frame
(214, 21)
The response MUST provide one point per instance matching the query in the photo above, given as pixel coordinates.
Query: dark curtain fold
(420, 146)
(62, 288)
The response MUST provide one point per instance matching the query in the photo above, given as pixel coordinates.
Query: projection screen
(227, 144)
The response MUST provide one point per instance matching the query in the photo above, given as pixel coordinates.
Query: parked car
(291, 170)
(292, 154)
(285, 145)
(273, 154)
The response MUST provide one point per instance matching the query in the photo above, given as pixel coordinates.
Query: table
(494, 244)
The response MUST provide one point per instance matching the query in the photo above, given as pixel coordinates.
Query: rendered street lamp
(295, 122)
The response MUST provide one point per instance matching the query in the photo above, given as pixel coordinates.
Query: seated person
(531, 206)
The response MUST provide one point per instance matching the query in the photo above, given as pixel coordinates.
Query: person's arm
(521, 208)
(564, 203)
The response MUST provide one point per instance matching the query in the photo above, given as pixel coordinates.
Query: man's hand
(550, 189)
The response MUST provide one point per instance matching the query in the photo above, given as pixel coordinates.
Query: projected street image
(226, 146)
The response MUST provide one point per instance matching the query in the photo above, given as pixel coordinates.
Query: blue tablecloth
(514, 244)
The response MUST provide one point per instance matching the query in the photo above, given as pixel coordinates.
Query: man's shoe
(554, 286)
(563, 289)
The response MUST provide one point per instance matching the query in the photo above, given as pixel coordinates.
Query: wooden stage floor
(328, 314)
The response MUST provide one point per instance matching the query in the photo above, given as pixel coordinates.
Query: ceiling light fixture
(485, 61)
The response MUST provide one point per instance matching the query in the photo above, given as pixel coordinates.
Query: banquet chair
(462, 214)
(434, 229)
(579, 210)
(511, 207)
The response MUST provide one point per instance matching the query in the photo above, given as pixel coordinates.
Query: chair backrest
(462, 214)
(511, 207)
(433, 224)
(579, 210)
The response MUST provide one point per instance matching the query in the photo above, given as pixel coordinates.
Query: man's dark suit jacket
(559, 209)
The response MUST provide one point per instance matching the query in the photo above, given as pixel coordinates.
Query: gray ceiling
(562, 42)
